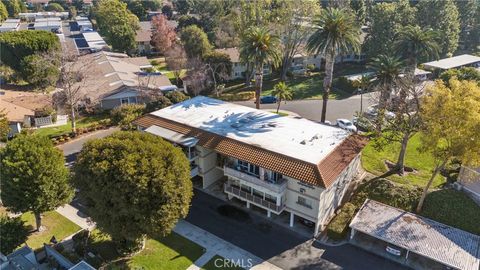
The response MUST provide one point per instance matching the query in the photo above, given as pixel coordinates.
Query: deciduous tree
(451, 117)
(138, 184)
(3, 12)
(195, 42)
(176, 59)
(465, 73)
(4, 125)
(34, 176)
(117, 24)
(54, 7)
(13, 7)
(220, 67)
(163, 35)
(41, 70)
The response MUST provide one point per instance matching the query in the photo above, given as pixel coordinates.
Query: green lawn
(220, 263)
(374, 162)
(170, 253)
(55, 224)
(453, 208)
(81, 123)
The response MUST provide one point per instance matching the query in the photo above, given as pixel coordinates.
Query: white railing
(278, 187)
(254, 199)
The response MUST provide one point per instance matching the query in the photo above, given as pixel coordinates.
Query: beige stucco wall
(312, 193)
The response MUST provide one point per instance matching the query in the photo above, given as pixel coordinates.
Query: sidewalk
(77, 217)
(217, 246)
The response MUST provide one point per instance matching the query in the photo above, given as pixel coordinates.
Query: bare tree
(176, 59)
(197, 79)
(73, 78)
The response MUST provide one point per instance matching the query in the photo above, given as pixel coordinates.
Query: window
(132, 100)
(270, 198)
(254, 169)
(304, 202)
(124, 101)
(247, 167)
(128, 100)
(243, 165)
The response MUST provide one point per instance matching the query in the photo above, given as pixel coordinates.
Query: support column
(269, 214)
(262, 174)
(248, 204)
(279, 200)
(292, 218)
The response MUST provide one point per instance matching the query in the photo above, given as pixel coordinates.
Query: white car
(346, 124)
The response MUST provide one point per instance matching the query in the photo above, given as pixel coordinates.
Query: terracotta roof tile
(322, 174)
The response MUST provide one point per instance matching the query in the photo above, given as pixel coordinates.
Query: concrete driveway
(312, 109)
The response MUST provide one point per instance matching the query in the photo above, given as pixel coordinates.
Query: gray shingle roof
(442, 243)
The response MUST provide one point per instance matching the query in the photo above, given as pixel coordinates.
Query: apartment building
(283, 165)
(239, 68)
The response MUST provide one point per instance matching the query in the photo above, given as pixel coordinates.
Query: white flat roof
(439, 242)
(298, 138)
(453, 62)
(92, 36)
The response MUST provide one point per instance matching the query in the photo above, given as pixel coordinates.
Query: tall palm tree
(282, 92)
(259, 47)
(387, 69)
(413, 43)
(337, 33)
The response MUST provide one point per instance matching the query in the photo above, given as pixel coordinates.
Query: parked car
(372, 111)
(307, 223)
(346, 124)
(298, 70)
(268, 99)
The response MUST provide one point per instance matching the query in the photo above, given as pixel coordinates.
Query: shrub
(124, 115)
(310, 67)
(154, 63)
(242, 96)
(157, 104)
(14, 233)
(338, 227)
(386, 192)
(176, 96)
(105, 122)
(345, 85)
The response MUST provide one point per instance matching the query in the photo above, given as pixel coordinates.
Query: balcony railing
(279, 187)
(254, 199)
(192, 154)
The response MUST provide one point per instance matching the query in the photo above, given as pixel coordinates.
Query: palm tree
(259, 47)
(337, 34)
(282, 92)
(413, 43)
(387, 69)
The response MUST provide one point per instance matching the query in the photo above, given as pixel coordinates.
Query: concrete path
(217, 246)
(76, 216)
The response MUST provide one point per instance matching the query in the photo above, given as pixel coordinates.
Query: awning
(172, 136)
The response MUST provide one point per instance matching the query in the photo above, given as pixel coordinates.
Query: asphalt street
(312, 108)
(280, 246)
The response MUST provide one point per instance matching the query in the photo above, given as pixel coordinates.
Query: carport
(413, 240)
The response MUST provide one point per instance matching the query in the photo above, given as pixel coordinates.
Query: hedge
(338, 227)
(242, 96)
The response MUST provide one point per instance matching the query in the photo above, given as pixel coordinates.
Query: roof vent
(303, 142)
(272, 124)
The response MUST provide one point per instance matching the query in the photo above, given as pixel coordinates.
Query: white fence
(47, 121)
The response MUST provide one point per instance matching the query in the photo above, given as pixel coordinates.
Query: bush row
(337, 229)
(102, 124)
(242, 96)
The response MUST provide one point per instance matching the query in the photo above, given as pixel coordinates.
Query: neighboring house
(464, 60)
(238, 67)
(10, 25)
(143, 38)
(22, 109)
(33, 16)
(469, 181)
(286, 166)
(48, 24)
(115, 79)
(25, 259)
(413, 240)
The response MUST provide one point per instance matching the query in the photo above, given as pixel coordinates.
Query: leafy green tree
(117, 24)
(3, 12)
(4, 125)
(360, 9)
(441, 16)
(220, 67)
(167, 11)
(466, 11)
(136, 7)
(385, 21)
(259, 47)
(282, 92)
(195, 42)
(176, 96)
(13, 7)
(182, 6)
(54, 7)
(34, 176)
(451, 117)
(18, 44)
(187, 20)
(462, 74)
(14, 233)
(138, 185)
(125, 114)
(41, 70)
(336, 34)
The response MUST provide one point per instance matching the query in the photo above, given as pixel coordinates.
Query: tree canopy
(54, 7)
(14, 233)
(163, 35)
(3, 12)
(117, 24)
(16, 45)
(4, 126)
(13, 7)
(195, 41)
(138, 185)
(465, 73)
(34, 176)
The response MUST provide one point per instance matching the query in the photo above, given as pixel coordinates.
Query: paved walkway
(77, 217)
(217, 246)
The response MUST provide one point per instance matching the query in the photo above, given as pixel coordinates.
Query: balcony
(191, 153)
(279, 187)
(237, 192)
(194, 171)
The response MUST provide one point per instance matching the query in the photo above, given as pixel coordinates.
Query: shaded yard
(55, 224)
(374, 162)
